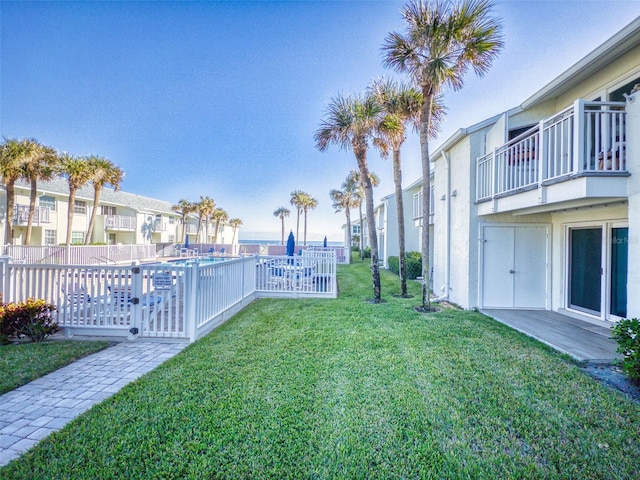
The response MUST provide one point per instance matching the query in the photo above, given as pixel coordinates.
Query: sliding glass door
(585, 269)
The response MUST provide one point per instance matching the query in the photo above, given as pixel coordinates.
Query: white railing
(40, 215)
(164, 299)
(585, 139)
(80, 254)
(120, 222)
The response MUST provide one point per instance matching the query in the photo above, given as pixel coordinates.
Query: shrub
(31, 319)
(413, 261)
(627, 333)
(367, 252)
(394, 264)
(414, 265)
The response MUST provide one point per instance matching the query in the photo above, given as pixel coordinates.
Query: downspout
(447, 272)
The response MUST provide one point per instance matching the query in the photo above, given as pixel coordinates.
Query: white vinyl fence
(81, 254)
(164, 299)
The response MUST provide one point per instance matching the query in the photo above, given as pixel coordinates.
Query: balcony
(41, 215)
(159, 225)
(575, 156)
(120, 223)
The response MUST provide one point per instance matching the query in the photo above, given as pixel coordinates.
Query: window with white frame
(80, 206)
(49, 237)
(172, 220)
(355, 229)
(48, 201)
(77, 238)
(109, 210)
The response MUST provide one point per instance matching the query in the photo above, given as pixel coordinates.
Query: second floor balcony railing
(120, 222)
(40, 215)
(587, 138)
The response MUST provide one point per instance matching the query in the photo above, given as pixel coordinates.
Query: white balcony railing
(587, 138)
(120, 222)
(21, 215)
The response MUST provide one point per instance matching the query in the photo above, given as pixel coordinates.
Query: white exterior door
(514, 267)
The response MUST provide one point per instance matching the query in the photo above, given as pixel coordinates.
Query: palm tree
(220, 216)
(78, 172)
(184, 208)
(354, 175)
(440, 43)
(14, 154)
(40, 166)
(297, 199)
(204, 208)
(401, 104)
(308, 203)
(281, 213)
(350, 123)
(346, 199)
(103, 172)
(234, 223)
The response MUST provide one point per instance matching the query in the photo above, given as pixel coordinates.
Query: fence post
(192, 274)
(136, 301)
(6, 278)
(579, 137)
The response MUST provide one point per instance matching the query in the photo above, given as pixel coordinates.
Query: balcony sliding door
(585, 269)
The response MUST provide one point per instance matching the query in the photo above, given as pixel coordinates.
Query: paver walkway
(31, 412)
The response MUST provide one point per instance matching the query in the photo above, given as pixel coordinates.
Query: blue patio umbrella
(324, 244)
(186, 241)
(291, 245)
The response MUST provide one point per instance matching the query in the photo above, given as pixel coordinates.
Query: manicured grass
(347, 389)
(25, 362)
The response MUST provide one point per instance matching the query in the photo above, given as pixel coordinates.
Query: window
(108, 210)
(355, 229)
(172, 221)
(80, 206)
(77, 238)
(47, 201)
(172, 238)
(49, 237)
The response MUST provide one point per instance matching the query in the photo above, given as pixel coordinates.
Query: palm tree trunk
(32, 209)
(72, 201)
(397, 179)
(198, 231)
(282, 238)
(298, 225)
(184, 229)
(97, 190)
(347, 212)
(361, 233)
(215, 232)
(11, 195)
(371, 224)
(305, 227)
(425, 121)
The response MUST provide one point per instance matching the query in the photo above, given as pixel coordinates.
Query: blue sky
(223, 98)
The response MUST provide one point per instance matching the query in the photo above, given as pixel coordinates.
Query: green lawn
(347, 389)
(25, 362)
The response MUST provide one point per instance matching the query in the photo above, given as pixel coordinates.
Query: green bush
(627, 333)
(31, 319)
(413, 261)
(394, 264)
(367, 252)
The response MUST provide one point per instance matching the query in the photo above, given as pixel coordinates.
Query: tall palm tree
(297, 199)
(40, 166)
(354, 176)
(14, 154)
(104, 172)
(234, 223)
(184, 208)
(401, 104)
(350, 123)
(204, 208)
(78, 172)
(346, 199)
(308, 203)
(440, 43)
(220, 216)
(281, 213)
